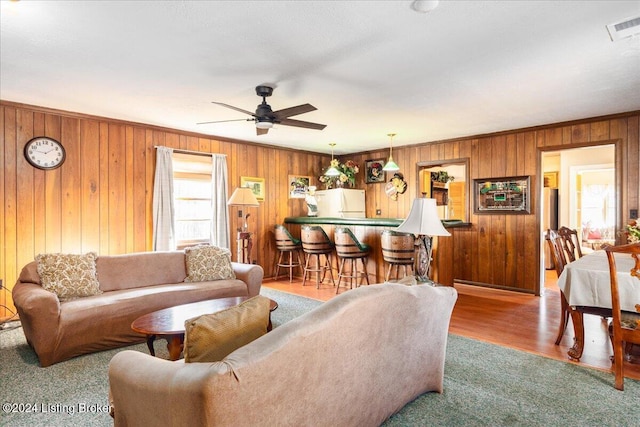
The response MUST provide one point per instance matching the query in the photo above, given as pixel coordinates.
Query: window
(192, 188)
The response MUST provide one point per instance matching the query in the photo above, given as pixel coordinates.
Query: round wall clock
(44, 153)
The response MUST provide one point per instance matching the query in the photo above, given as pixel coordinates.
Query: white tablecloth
(586, 281)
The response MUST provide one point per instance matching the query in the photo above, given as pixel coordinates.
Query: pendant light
(391, 166)
(332, 171)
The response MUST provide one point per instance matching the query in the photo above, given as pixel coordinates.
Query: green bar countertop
(371, 222)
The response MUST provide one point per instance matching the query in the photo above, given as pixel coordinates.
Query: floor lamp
(424, 223)
(243, 196)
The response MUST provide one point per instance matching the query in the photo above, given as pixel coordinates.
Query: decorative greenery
(348, 171)
(442, 176)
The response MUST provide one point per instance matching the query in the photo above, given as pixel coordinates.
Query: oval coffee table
(168, 323)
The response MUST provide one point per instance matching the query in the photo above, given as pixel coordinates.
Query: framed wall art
(298, 186)
(256, 185)
(509, 195)
(373, 171)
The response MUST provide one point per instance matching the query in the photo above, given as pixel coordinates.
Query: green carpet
(485, 385)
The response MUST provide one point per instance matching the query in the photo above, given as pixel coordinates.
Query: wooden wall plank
(53, 191)
(139, 183)
(90, 185)
(9, 204)
(70, 184)
(39, 198)
(25, 189)
(117, 189)
(104, 187)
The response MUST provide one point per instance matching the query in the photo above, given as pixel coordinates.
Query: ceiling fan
(265, 117)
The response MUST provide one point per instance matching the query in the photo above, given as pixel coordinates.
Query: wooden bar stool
(315, 243)
(287, 245)
(397, 250)
(349, 251)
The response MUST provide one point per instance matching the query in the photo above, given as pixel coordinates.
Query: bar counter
(368, 230)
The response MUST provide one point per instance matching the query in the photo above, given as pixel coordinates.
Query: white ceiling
(370, 67)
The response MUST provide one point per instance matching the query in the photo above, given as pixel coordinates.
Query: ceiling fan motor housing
(264, 112)
(264, 91)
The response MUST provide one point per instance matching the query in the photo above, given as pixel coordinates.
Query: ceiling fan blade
(222, 121)
(301, 124)
(294, 111)
(261, 131)
(233, 108)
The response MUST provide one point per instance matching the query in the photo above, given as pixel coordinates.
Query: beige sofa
(133, 285)
(353, 361)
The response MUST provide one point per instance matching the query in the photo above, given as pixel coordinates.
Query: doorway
(582, 182)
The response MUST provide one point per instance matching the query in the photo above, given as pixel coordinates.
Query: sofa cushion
(128, 271)
(69, 276)
(208, 263)
(211, 337)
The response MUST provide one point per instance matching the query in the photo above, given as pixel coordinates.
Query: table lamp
(424, 223)
(243, 196)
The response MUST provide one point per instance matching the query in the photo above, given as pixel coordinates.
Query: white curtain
(164, 237)
(220, 223)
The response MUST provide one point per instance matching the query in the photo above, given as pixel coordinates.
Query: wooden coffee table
(168, 323)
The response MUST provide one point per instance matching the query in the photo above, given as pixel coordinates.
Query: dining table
(586, 285)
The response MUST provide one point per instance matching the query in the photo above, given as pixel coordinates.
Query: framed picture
(551, 179)
(373, 171)
(256, 185)
(298, 186)
(509, 195)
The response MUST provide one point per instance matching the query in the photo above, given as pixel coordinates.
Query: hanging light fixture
(391, 166)
(332, 171)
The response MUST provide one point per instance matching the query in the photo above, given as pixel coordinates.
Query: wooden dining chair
(625, 324)
(570, 243)
(576, 313)
(559, 261)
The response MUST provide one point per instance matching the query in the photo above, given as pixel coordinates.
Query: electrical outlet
(239, 214)
(633, 213)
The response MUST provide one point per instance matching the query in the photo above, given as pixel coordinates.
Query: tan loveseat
(353, 361)
(133, 285)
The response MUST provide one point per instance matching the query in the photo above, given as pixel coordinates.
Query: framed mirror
(447, 181)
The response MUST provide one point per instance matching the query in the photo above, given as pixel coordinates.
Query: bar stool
(287, 244)
(350, 249)
(397, 250)
(315, 243)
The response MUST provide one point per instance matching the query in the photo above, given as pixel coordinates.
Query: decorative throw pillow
(211, 337)
(69, 276)
(205, 263)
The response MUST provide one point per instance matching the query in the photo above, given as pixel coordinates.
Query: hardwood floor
(510, 319)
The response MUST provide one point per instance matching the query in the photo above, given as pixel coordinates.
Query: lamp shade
(332, 172)
(423, 219)
(243, 196)
(391, 166)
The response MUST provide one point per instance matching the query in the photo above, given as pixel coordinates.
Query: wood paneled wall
(100, 199)
(504, 250)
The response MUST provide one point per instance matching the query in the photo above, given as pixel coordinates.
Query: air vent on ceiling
(623, 29)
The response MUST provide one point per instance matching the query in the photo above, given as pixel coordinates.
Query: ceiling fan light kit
(263, 124)
(264, 117)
